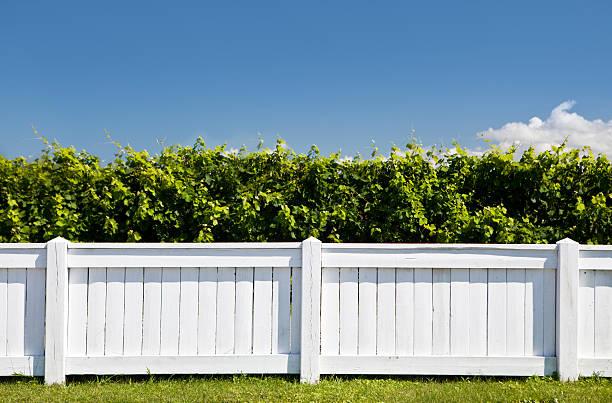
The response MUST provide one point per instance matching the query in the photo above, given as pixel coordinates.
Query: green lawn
(270, 388)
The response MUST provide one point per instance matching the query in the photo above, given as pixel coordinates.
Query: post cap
(567, 240)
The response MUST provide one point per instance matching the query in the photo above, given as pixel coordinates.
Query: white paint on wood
(151, 320)
(549, 312)
(34, 343)
(534, 312)
(18, 256)
(567, 310)
(515, 319)
(385, 315)
(330, 311)
(441, 312)
(56, 315)
(478, 307)
(601, 367)
(423, 314)
(77, 311)
(188, 311)
(16, 292)
(311, 308)
(26, 366)
(404, 311)
(496, 333)
(459, 312)
(595, 259)
(134, 298)
(243, 327)
(349, 312)
(262, 311)
(96, 311)
(438, 365)
(603, 312)
(217, 364)
(226, 299)
(296, 309)
(3, 310)
(170, 310)
(207, 310)
(115, 303)
(586, 314)
(281, 277)
(367, 311)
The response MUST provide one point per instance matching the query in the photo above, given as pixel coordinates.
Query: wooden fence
(305, 308)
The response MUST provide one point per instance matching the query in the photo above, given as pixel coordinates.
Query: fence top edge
(596, 247)
(219, 245)
(5, 246)
(452, 246)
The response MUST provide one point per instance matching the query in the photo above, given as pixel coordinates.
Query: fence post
(567, 310)
(56, 318)
(311, 311)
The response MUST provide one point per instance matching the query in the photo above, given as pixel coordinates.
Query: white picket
(281, 278)
(423, 312)
(262, 311)
(243, 327)
(16, 292)
(549, 307)
(151, 320)
(441, 312)
(170, 309)
(478, 308)
(296, 309)
(96, 311)
(77, 311)
(367, 311)
(134, 297)
(534, 312)
(385, 316)
(226, 300)
(349, 315)
(404, 311)
(603, 308)
(3, 310)
(459, 312)
(497, 313)
(207, 310)
(115, 303)
(188, 311)
(586, 314)
(330, 311)
(515, 319)
(34, 343)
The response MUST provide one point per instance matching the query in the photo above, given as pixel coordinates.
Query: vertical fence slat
(115, 304)
(349, 316)
(34, 343)
(385, 318)
(3, 311)
(134, 298)
(296, 309)
(330, 308)
(280, 310)
(534, 312)
(586, 314)
(549, 308)
(367, 311)
(188, 311)
(311, 308)
(244, 311)
(459, 311)
(151, 320)
(603, 309)
(567, 310)
(441, 312)
(226, 299)
(96, 311)
(262, 311)
(423, 311)
(77, 311)
(497, 312)
(16, 314)
(170, 310)
(515, 319)
(404, 311)
(478, 312)
(207, 308)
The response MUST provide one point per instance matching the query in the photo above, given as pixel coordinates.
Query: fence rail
(305, 308)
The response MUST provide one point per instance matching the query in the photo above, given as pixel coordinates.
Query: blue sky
(336, 74)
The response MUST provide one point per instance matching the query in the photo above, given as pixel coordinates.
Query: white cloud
(560, 125)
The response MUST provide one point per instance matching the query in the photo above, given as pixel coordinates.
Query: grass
(283, 388)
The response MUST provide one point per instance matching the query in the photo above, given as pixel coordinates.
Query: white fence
(307, 308)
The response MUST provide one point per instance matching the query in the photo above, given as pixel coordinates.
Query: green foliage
(201, 194)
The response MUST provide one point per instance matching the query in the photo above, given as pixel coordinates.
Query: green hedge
(199, 194)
